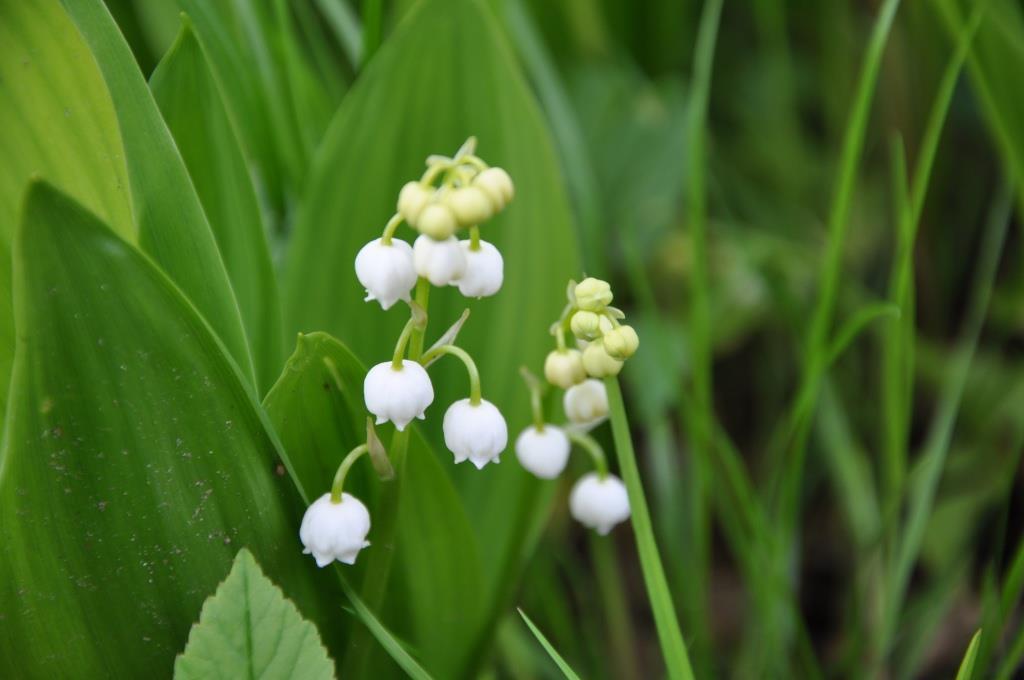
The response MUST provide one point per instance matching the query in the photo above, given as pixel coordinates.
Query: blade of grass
(816, 350)
(346, 27)
(670, 637)
(566, 669)
(966, 671)
(697, 606)
(922, 489)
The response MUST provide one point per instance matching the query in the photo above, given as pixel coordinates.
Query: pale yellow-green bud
(597, 363)
(436, 221)
(470, 205)
(564, 368)
(586, 325)
(497, 185)
(412, 199)
(621, 343)
(593, 295)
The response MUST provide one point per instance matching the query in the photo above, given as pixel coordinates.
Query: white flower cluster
(467, 194)
(454, 193)
(599, 499)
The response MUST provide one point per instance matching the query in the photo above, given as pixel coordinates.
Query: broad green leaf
(317, 409)
(248, 629)
(136, 461)
(56, 120)
(446, 73)
(171, 224)
(191, 103)
(279, 102)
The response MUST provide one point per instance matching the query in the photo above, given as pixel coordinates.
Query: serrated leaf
(191, 103)
(464, 82)
(317, 408)
(172, 226)
(136, 461)
(247, 629)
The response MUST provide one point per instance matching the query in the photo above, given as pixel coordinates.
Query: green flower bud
(470, 205)
(593, 295)
(564, 368)
(412, 199)
(621, 343)
(588, 325)
(436, 221)
(597, 363)
(497, 185)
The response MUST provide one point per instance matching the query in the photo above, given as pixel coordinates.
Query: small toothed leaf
(249, 629)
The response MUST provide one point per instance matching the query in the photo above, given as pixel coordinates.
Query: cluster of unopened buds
(454, 194)
(602, 344)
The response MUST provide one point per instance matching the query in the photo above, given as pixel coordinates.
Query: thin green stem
(593, 449)
(474, 375)
(403, 341)
(677, 660)
(474, 238)
(339, 477)
(390, 228)
(422, 299)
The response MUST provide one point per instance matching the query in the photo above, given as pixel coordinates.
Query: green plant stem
(346, 464)
(593, 449)
(701, 432)
(670, 637)
(474, 374)
(378, 572)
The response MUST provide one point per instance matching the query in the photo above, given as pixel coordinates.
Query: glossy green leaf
(966, 671)
(57, 121)
(248, 629)
(171, 223)
(279, 101)
(317, 408)
(191, 103)
(446, 73)
(136, 462)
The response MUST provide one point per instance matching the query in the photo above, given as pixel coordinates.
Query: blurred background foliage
(594, 100)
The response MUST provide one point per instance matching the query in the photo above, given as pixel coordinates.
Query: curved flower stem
(474, 238)
(375, 583)
(403, 341)
(593, 449)
(390, 228)
(346, 463)
(474, 375)
(670, 637)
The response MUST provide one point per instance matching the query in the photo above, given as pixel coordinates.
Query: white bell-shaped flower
(475, 432)
(599, 503)
(543, 452)
(386, 271)
(397, 394)
(440, 262)
(485, 270)
(335, 531)
(587, 403)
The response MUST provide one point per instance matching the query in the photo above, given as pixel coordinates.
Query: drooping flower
(335, 531)
(498, 187)
(564, 368)
(599, 503)
(621, 343)
(386, 271)
(412, 199)
(587, 403)
(397, 394)
(436, 221)
(441, 262)
(543, 452)
(598, 363)
(475, 432)
(593, 295)
(470, 205)
(485, 270)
